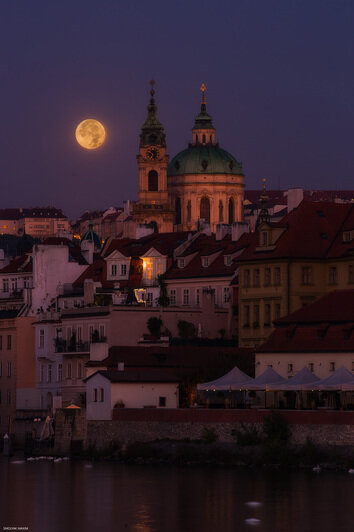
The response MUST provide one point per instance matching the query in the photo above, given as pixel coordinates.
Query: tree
(154, 325)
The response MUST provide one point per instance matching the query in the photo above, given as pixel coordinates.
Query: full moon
(90, 134)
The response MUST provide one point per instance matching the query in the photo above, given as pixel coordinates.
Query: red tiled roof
(21, 264)
(165, 243)
(206, 246)
(337, 306)
(325, 325)
(133, 375)
(311, 230)
(309, 339)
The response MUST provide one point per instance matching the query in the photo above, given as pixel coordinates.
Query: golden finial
(264, 184)
(203, 89)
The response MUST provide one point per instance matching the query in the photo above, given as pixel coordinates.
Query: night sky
(279, 77)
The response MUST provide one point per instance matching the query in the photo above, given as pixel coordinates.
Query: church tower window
(205, 209)
(153, 181)
(178, 211)
(231, 211)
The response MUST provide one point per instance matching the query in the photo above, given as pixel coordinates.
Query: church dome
(91, 236)
(204, 159)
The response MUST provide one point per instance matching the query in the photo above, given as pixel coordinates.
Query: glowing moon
(90, 134)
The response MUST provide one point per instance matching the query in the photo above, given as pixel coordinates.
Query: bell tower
(153, 205)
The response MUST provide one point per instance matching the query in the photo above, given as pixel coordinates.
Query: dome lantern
(203, 130)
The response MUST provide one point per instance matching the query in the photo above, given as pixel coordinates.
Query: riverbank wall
(73, 432)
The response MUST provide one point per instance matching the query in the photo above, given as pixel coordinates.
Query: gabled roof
(133, 375)
(21, 264)
(164, 243)
(205, 246)
(310, 232)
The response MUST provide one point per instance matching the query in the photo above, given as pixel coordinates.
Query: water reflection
(68, 496)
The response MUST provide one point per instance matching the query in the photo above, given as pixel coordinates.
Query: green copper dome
(204, 159)
(91, 236)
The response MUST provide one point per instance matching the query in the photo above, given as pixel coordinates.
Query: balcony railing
(62, 346)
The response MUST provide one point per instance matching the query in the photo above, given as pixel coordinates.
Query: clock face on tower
(152, 153)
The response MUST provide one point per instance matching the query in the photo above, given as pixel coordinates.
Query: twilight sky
(279, 77)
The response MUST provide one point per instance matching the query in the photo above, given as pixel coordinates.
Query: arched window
(204, 139)
(221, 212)
(154, 226)
(178, 211)
(196, 139)
(231, 211)
(205, 209)
(153, 181)
(211, 138)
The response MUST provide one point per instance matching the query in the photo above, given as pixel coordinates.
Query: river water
(103, 496)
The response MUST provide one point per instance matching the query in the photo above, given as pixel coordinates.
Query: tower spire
(152, 131)
(263, 215)
(203, 130)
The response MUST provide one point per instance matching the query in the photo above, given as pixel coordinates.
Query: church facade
(202, 185)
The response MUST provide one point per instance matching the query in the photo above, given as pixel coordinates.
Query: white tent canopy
(300, 381)
(339, 380)
(233, 380)
(266, 381)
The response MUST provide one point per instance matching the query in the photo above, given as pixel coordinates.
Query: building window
(231, 211)
(149, 298)
(186, 296)
(333, 275)
(205, 262)
(102, 332)
(60, 372)
(264, 238)
(205, 209)
(351, 273)
(172, 296)
(9, 341)
(79, 335)
(227, 260)
(306, 275)
(290, 368)
(14, 285)
(197, 297)
(9, 369)
(41, 338)
(79, 370)
(311, 367)
(101, 395)
(8, 397)
(123, 269)
(153, 181)
(49, 373)
(41, 373)
(91, 330)
(277, 278)
(69, 370)
(5, 285)
(256, 278)
(246, 316)
(246, 279)
(277, 311)
(162, 401)
(332, 366)
(0, 342)
(256, 316)
(26, 282)
(267, 311)
(95, 395)
(226, 294)
(181, 263)
(113, 270)
(267, 277)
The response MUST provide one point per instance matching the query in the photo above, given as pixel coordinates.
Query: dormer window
(347, 236)
(181, 263)
(114, 270)
(264, 238)
(227, 260)
(205, 262)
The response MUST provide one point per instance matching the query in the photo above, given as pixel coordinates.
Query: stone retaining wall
(323, 428)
